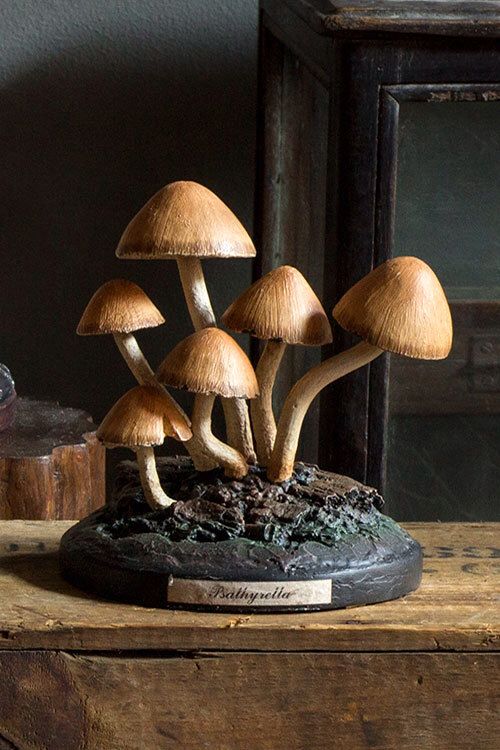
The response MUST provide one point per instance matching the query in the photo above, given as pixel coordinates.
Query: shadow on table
(41, 570)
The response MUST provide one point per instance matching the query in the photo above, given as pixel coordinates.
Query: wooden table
(418, 673)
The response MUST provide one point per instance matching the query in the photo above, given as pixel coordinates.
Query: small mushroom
(399, 307)
(185, 221)
(140, 420)
(120, 307)
(210, 363)
(280, 308)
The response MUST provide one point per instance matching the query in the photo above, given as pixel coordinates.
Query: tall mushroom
(140, 420)
(280, 308)
(210, 363)
(186, 221)
(120, 307)
(399, 307)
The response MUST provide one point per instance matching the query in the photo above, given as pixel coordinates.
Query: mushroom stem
(239, 431)
(139, 366)
(135, 359)
(299, 400)
(261, 408)
(196, 293)
(155, 496)
(233, 462)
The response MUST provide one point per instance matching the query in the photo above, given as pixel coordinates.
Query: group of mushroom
(399, 307)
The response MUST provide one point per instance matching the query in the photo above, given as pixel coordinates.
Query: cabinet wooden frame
(366, 76)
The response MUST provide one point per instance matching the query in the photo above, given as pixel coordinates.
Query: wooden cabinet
(421, 672)
(379, 135)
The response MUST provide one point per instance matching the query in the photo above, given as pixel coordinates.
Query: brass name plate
(249, 593)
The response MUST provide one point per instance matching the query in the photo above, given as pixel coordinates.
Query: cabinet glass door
(443, 435)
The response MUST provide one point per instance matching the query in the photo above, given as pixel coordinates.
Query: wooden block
(249, 701)
(51, 464)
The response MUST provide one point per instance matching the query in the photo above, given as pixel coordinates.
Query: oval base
(330, 546)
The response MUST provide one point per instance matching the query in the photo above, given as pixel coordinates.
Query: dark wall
(102, 103)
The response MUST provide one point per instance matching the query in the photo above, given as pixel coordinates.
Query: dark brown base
(319, 543)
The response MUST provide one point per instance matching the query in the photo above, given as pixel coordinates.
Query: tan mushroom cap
(210, 361)
(280, 306)
(143, 417)
(119, 306)
(400, 307)
(185, 219)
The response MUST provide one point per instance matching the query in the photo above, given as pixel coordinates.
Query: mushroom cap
(210, 361)
(144, 416)
(119, 306)
(185, 219)
(400, 307)
(281, 305)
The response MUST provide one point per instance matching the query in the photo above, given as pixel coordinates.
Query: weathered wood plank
(247, 700)
(293, 204)
(475, 19)
(456, 608)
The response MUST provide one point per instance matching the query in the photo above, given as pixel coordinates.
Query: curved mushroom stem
(233, 462)
(239, 431)
(299, 400)
(155, 496)
(139, 366)
(135, 359)
(202, 458)
(261, 408)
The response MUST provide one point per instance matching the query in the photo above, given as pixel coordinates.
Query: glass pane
(443, 457)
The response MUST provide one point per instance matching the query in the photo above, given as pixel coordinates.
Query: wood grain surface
(83, 674)
(249, 701)
(473, 18)
(51, 464)
(455, 609)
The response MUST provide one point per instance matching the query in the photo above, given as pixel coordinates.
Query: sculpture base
(318, 541)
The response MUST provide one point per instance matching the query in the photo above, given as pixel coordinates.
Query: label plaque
(249, 593)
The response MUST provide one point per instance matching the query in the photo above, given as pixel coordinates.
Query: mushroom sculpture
(280, 308)
(210, 363)
(140, 420)
(250, 532)
(399, 307)
(185, 221)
